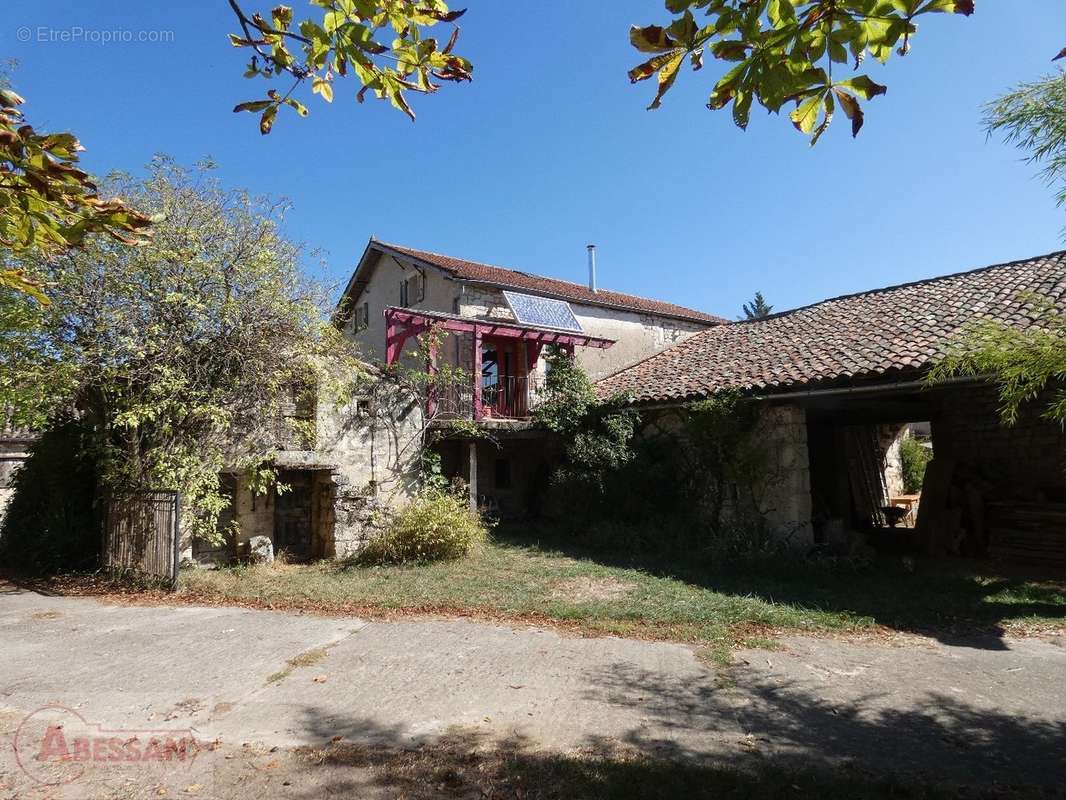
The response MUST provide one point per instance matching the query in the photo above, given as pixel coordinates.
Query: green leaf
(321, 86)
(742, 109)
(266, 122)
(730, 50)
(652, 39)
(667, 76)
(650, 67)
(684, 29)
(862, 86)
(805, 115)
(254, 106)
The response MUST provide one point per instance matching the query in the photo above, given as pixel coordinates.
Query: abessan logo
(55, 745)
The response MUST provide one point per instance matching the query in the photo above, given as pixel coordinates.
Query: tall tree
(757, 308)
(183, 353)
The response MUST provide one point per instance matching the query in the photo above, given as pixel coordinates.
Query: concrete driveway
(259, 680)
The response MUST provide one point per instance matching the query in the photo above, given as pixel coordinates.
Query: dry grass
(301, 661)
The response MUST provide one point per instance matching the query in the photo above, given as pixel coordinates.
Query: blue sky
(550, 148)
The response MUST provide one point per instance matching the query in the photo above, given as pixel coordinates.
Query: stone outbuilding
(837, 380)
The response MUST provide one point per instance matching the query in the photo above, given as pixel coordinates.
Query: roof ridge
(904, 285)
(689, 313)
(868, 335)
(486, 264)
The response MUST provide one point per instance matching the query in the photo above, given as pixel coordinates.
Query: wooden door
(292, 516)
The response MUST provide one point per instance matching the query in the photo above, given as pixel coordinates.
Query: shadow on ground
(821, 753)
(958, 602)
(941, 737)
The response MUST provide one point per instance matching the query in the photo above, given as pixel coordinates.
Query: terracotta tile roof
(525, 281)
(885, 332)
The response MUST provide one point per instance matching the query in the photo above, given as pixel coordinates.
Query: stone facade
(784, 496)
(364, 463)
(891, 439)
(637, 335)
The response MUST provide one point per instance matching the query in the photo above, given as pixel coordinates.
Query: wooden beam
(431, 370)
(476, 369)
(473, 475)
(499, 330)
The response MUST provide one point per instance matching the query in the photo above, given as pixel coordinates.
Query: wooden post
(473, 475)
(431, 370)
(476, 369)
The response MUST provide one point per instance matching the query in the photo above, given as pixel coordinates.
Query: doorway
(292, 515)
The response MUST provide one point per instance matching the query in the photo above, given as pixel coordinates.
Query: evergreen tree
(757, 308)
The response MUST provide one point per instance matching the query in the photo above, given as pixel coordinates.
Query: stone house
(362, 457)
(837, 381)
(495, 323)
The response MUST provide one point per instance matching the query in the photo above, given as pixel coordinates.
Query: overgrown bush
(597, 434)
(436, 526)
(52, 523)
(686, 487)
(914, 457)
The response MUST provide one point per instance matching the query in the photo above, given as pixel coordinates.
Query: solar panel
(542, 311)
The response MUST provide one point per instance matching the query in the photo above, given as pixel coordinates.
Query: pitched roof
(476, 272)
(885, 332)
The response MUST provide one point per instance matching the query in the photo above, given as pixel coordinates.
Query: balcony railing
(508, 397)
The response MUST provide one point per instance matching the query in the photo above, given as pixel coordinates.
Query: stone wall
(14, 450)
(365, 462)
(784, 496)
(891, 438)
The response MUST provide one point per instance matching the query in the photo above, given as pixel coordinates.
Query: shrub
(913, 458)
(52, 523)
(435, 526)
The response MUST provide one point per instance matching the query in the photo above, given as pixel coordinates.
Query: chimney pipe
(592, 267)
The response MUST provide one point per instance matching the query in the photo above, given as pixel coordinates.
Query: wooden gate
(142, 531)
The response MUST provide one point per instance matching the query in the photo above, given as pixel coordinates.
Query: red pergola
(403, 323)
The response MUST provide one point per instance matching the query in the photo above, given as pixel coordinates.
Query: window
(503, 473)
(412, 290)
(362, 407)
(362, 317)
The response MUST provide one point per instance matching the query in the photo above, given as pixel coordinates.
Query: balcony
(510, 397)
(503, 355)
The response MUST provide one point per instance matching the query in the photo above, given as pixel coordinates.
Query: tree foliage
(914, 457)
(597, 433)
(757, 308)
(46, 201)
(1033, 116)
(184, 354)
(784, 51)
(347, 36)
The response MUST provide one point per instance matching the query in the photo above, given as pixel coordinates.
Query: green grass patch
(717, 609)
